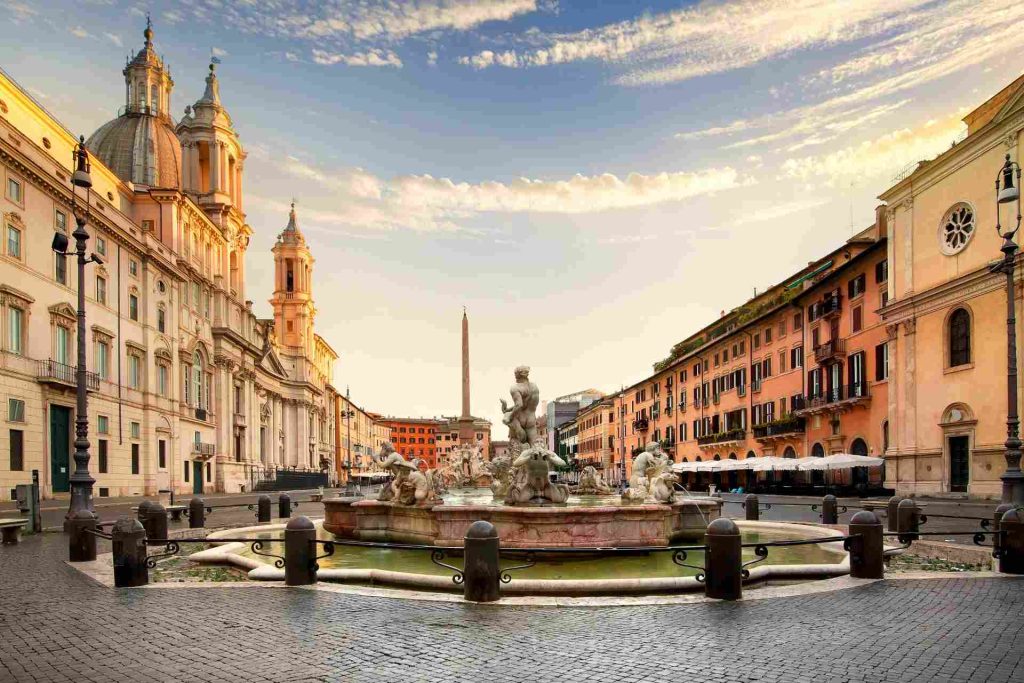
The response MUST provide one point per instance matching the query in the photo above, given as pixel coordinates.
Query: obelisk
(465, 366)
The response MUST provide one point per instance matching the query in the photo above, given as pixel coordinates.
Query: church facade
(189, 389)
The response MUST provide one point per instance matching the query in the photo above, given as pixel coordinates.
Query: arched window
(885, 435)
(750, 454)
(959, 338)
(197, 378)
(717, 456)
(790, 453)
(858, 447)
(732, 456)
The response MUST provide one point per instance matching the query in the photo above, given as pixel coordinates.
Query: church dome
(139, 148)
(140, 145)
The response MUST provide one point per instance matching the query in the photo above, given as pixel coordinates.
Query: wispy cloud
(368, 58)
(114, 38)
(80, 32)
(424, 202)
(879, 157)
(712, 37)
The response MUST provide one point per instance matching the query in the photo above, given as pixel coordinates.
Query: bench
(174, 510)
(10, 528)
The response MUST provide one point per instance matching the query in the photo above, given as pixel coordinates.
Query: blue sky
(593, 180)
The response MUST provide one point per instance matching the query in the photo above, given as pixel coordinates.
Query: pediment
(272, 364)
(64, 310)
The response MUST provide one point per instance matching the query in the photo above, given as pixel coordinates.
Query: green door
(197, 477)
(959, 463)
(60, 448)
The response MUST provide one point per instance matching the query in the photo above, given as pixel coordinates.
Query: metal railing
(199, 448)
(722, 437)
(53, 371)
(793, 425)
(833, 348)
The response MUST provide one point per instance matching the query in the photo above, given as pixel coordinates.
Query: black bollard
(752, 507)
(156, 524)
(129, 546)
(284, 506)
(143, 512)
(81, 543)
(829, 510)
(997, 519)
(892, 513)
(1011, 543)
(867, 553)
(481, 573)
(299, 569)
(263, 508)
(908, 520)
(196, 513)
(723, 561)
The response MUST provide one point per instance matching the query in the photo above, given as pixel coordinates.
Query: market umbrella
(773, 463)
(839, 461)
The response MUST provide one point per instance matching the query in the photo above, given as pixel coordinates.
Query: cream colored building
(946, 313)
(189, 389)
(359, 438)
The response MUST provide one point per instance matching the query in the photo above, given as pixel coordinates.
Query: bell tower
(293, 288)
(147, 81)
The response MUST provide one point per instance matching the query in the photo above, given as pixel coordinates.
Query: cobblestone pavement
(58, 625)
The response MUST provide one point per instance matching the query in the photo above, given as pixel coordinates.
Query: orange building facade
(415, 437)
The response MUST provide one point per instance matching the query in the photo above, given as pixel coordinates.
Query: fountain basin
(575, 525)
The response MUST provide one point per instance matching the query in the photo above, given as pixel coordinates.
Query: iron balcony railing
(841, 392)
(205, 449)
(834, 348)
(792, 425)
(59, 373)
(641, 424)
(722, 437)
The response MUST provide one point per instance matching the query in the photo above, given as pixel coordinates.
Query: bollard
(892, 513)
(284, 506)
(829, 510)
(997, 519)
(196, 513)
(1011, 545)
(81, 543)
(299, 552)
(143, 512)
(481, 573)
(866, 552)
(129, 546)
(156, 524)
(908, 520)
(752, 507)
(263, 509)
(723, 560)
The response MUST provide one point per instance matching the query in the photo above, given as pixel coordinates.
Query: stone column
(908, 379)
(896, 445)
(214, 147)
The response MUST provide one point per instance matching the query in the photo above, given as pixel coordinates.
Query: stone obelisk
(467, 431)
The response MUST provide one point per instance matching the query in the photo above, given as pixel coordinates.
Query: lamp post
(1008, 192)
(81, 481)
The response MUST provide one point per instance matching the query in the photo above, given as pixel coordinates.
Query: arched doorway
(958, 423)
(860, 474)
(698, 478)
(751, 477)
(716, 476)
(788, 477)
(817, 476)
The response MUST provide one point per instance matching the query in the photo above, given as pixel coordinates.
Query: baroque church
(189, 390)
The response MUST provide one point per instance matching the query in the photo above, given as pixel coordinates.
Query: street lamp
(1008, 192)
(81, 482)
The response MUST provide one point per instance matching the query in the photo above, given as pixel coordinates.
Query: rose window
(957, 229)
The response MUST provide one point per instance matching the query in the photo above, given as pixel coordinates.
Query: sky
(592, 181)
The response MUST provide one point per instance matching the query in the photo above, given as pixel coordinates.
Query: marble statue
(652, 479)
(409, 486)
(523, 478)
(534, 486)
(592, 483)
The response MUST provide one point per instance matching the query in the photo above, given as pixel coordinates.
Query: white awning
(840, 461)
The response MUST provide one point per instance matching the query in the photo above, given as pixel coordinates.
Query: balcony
(831, 350)
(755, 386)
(641, 424)
(201, 414)
(830, 306)
(839, 398)
(203, 450)
(728, 436)
(682, 406)
(65, 376)
(716, 399)
(779, 429)
(741, 390)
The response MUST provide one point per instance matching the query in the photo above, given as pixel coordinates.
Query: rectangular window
(882, 361)
(856, 286)
(101, 289)
(161, 320)
(796, 357)
(134, 371)
(882, 271)
(62, 345)
(14, 191)
(103, 424)
(17, 437)
(798, 321)
(101, 246)
(133, 307)
(195, 294)
(60, 268)
(162, 376)
(161, 454)
(60, 221)
(208, 471)
(815, 338)
(13, 242)
(135, 429)
(187, 468)
(135, 458)
(103, 359)
(767, 335)
(858, 318)
(716, 360)
(15, 410)
(757, 341)
(782, 361)
(102, 456)
(884, 298)
(15, 330)
(133, 267)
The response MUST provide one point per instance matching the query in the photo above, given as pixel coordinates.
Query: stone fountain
(528, 509)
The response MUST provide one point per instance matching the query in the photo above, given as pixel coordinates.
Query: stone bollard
(196, 513)
(284, 506)
(867, 554)
(829, 510)
(908, 520)
(997, 519)
(752, 507)
(129, 546)
(892, 513)
(156, 524)
(723, 578)
(263, 509)
(81, 543)
(143, 512)
(299, 552)
(1011, 545)
(481, 573)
